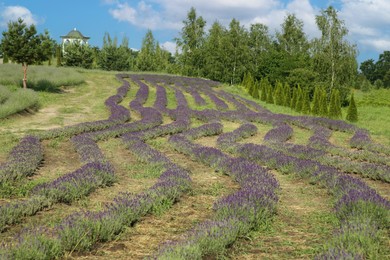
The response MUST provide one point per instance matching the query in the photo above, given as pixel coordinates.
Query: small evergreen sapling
(352, 114)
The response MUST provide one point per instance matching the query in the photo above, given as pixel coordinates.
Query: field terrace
(182, 169)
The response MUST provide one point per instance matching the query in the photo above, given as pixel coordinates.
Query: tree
(236, 48)
(259, 44)
(306, 102)
(382, 67)
(146, 57)
(214, 56)
(335, 105)
(334, 58)
(22, 45)
(264, 85)
(352, 114)
(191, 43)
(112, 56)
(316, 101)
(368, 69)
(292, 45)
(78, 55)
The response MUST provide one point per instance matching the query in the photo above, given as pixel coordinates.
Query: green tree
(368, 69)
(191, 43)
(146, 57)
(214, 56)
(334, 58)
(236, 48)
(112, 56)
(278, 94)
(21, 44)
(78, 55)
(259, 43)
(316, 101)
(255, 89)
(335, 105)
(382, 67)
(306, 102)
(300, 97)
(292, 45)
(352, 113)
(264, 85)
(270, 98)
(294, 98)
(286, 95)
(323, 103)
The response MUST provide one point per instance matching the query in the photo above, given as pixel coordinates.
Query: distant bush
(40, 78)
(16, 101)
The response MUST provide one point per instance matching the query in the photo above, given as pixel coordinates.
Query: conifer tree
(323, 103)
(286, 95)
(255, 90)
(294, 99)
(264, 88)
(352, 114)
(270, 98)
(299, 104)
(316, 101)
(306, 103)
(278, 94)
(334, 104)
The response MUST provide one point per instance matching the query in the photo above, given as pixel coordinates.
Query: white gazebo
(74, 36)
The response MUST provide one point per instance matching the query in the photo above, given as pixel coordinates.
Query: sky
(368, 21)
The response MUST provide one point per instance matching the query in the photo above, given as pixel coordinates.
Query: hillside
(144, 165)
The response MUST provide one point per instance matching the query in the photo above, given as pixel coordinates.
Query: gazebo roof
(75, 34)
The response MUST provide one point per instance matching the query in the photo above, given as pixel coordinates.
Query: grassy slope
(304, 218)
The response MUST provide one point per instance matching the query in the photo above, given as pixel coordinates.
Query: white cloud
(12, 13)
(169, 46)
(368, 23)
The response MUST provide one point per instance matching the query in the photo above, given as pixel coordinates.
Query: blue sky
(368, 21)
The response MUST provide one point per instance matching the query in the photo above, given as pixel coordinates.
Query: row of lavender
(42, 243)
(151, 118)
(235, 214)
(364, 214)
(27, 155)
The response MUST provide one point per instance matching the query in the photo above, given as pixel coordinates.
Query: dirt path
(304, 221)
(146, 236)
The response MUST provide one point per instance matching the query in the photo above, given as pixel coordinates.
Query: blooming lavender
(23, 160)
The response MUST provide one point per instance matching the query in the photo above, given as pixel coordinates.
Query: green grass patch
(40, 78)
(16, 101)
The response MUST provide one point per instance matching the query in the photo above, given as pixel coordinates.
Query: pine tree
(255, 90)
(334, 104)
(299, 104)
(352, 114)
(58, 55)
(264, 88)
(323, 103)
(278, 94)
(306, 103)
(316, 101)
(293, 103)
(270, 98)
(286, 95)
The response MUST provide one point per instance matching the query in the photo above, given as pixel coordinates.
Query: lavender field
(180, 168)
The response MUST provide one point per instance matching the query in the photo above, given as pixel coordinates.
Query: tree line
(226, 54)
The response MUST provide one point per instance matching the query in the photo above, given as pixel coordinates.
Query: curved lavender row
(235, 214)
(362, 140)
(227, 141)
(87, 149)
(199, 100)
(229, 97)
(219, 103)
(23, 160)
(280, 133)
(118, 115)
(345, 164)
(141, 96)
(66, 188)
(81, 230)
(358, 206)
(161, 99)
